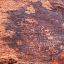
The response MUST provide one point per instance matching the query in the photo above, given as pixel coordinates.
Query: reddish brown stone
(29, 31)
(59, 59)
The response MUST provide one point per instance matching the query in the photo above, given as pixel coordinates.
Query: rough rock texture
(59, 59)
(31, 31)
(59, 3)
(59, 6)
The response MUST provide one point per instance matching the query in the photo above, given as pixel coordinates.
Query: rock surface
(31, 31)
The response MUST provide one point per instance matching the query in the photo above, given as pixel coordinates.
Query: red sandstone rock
(59, 59)
(29, 31)
(57, 3)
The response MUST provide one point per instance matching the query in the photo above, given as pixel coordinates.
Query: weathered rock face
(59, 59)
(35, 40)
(33, 31)
(59, 3)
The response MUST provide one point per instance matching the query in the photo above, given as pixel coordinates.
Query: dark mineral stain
(38, 41)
